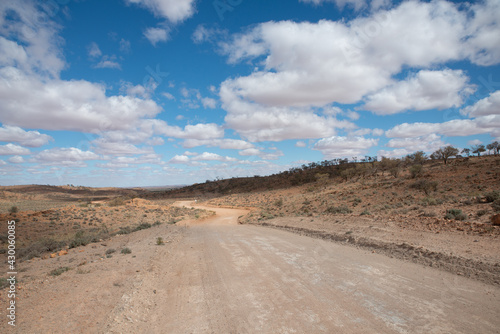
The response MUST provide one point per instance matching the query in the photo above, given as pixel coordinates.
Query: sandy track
(220, 277)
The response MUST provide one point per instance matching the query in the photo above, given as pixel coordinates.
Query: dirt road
(219, 277)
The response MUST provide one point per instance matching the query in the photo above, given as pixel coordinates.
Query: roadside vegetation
(50, 231)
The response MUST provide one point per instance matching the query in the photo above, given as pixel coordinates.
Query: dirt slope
(220, 277)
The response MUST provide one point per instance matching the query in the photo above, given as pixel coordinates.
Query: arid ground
(352, 255)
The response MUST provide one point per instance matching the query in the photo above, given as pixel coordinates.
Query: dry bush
(38, 248)
(338, 210)
(425, 185)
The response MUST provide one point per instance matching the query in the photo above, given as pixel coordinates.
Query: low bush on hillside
(38, 248)
(496, 205)
(455, 214)
(338, 210)
(425, 185)
(492, 196)
(59, 271)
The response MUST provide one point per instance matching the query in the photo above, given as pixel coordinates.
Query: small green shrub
(125, 230)
(429, 201)
(4, 283)
(266, 215)
(416, 171)
(38, 248)
(338, 210)
(59, 271)
(142, 226)
(110, 251)
(81, 239)
(492, 196)
(118, 201)
(13, 209)
(425, 185)
(496, 205)
(126, 250)
(455, 214)
(429, 214)
(481, 213)
(159, 241)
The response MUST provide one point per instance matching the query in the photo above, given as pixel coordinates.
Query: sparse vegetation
(445, 153)
(496, 205)
(425, 185)
(37, 248)
(4, 283)
(118, 201)
(338, 210)
(159, 241)
(59, 271)
(455, 214)
(126, 250)
(416, 171)
(83, 238)
(492, 196)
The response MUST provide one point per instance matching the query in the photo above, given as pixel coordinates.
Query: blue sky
(164, 92)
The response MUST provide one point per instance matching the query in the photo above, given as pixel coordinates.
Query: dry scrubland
(426, 212)
(461, 196)
(440, 216)
(50, 222)
(108, 259)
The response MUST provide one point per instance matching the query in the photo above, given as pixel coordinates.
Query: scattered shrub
(59, 271)
(338, 210)
(110, 251)
(38, 248)
(159, 241)
(455, 214)
(81, 239)
(492, 196)
(496, 205)
(429, 214)
(357, 201)
(416, 171)
(118, 201)
(142, 226)
(4, 283)
(266, 215)
(481, 213)
(125, 230)
(429, 201)
(126, 250)
(425, 185)
(13, 209)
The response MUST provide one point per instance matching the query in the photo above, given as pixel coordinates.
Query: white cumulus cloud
(64, 157)
(156, 35)
(421, 91)
(25, 138)
(488, 106)
(344, 147)
(175, 11)
(11, 149)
